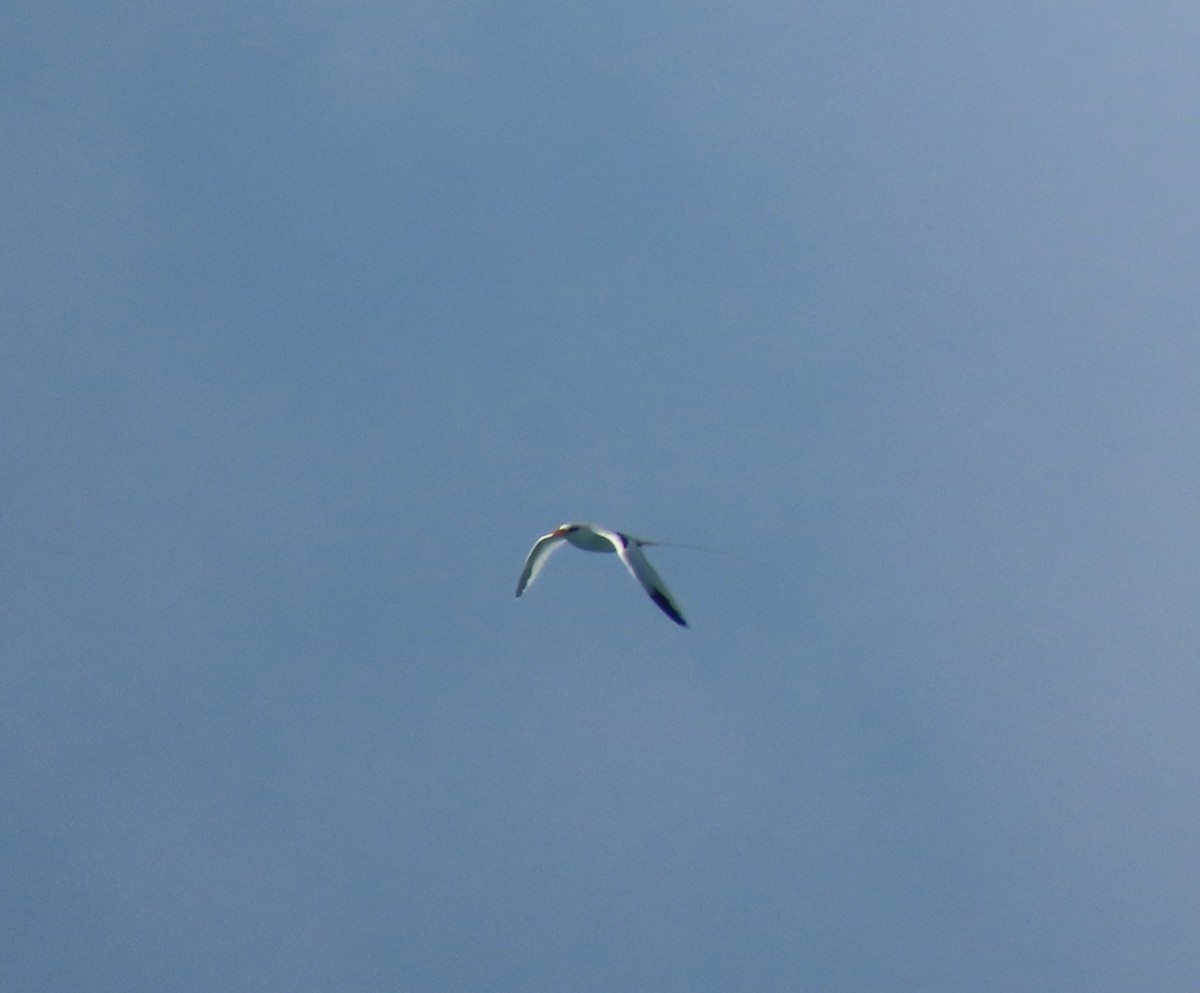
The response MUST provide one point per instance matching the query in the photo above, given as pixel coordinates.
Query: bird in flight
(593, 538)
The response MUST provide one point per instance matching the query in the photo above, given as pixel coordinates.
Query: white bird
(593, 538)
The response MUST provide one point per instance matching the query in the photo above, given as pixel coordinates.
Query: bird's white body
(593, 538)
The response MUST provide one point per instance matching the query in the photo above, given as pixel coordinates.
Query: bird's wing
(636, 562)
(536, 558)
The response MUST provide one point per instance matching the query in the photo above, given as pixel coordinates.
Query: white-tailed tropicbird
(593, 538)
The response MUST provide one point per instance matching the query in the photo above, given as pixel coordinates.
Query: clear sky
(315, 314)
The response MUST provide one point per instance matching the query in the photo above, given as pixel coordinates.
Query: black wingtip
(668, 608)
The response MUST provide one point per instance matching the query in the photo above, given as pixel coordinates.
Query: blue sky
(316, 314)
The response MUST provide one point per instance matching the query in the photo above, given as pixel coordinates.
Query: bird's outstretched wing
(536, 558)
(636, 562)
